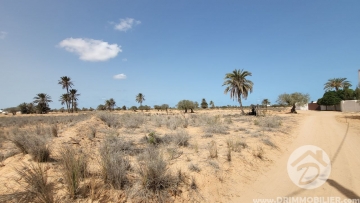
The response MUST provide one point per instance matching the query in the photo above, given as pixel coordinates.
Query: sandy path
(340, 141)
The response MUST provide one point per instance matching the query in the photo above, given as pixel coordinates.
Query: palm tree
(211, 103)
(73, 97)
(110, 104)
(42, 100)
(140, 98)
(265, 102)
(238, 85)
(65, 99)
(336, 83)
(66, 83)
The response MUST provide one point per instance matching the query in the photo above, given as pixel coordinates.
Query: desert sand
(259, 149)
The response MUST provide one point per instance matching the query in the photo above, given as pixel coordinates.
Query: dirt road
(340, 141)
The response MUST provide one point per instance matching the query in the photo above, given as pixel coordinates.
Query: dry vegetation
(138, 157)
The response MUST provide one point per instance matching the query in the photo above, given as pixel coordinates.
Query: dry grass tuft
(36, 185)
(259, 153)
(111, 120)
(179, 138)
(268, 142)
(156, 182)
(114, 162)
(35, 145)
(54, 130)
(213, 149)
(194, 167)
(74, 169)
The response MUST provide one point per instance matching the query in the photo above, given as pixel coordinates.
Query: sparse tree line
(41, 101)
(236, 82)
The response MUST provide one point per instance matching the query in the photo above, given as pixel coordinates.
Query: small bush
(114, 163)
(34, 145)
(269, 122)
(216, 129)
(153, 139)
(180, 138)
(174, 153)
(54, 130)
(111, 120)
(207, 135)
(193, 184)
(158, 120)
(214, 164)
(74, 169)
(268, 142)
(174, 122)
(194, 167)
(213, 149)
(132, 120)
(37, 188)
(257, 134)
(236, 146)
(228, 120)
(228, 155)
(155, 179)
(259, 153)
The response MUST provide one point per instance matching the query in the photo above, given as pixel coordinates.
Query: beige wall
(350, 106)
(330, 108)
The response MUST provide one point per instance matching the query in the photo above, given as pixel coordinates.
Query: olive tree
(293, 99)
(185, 105)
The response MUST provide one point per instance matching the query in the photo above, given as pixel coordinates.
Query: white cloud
(120, 76)
(124, 59)
(91, 49)
(126, 24)
(3, 34)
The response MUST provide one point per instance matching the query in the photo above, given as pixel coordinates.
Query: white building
(301, 107)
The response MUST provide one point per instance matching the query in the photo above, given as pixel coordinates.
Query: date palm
(73, 97)
(65, 99)
(238, 86)
(336, 83)
(110, 104)
(211, 103)
(66, 83)
(42, 100)
(140, 98)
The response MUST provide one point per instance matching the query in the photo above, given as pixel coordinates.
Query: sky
(174, 50)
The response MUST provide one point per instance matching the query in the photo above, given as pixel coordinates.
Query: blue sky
(174, 50)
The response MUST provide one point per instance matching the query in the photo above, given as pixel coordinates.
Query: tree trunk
(185, 110)
(241, 107)
(68, 102)
(293, 109)
(192, 111)
(72, 106)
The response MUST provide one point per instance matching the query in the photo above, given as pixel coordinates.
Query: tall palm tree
(140, 98)
(73, 97)
(65, 99)
(42, 100)
(238, 85)
(336, 83)
(66, 83)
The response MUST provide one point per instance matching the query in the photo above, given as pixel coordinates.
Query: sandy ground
(245, 177)
(336, 133)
